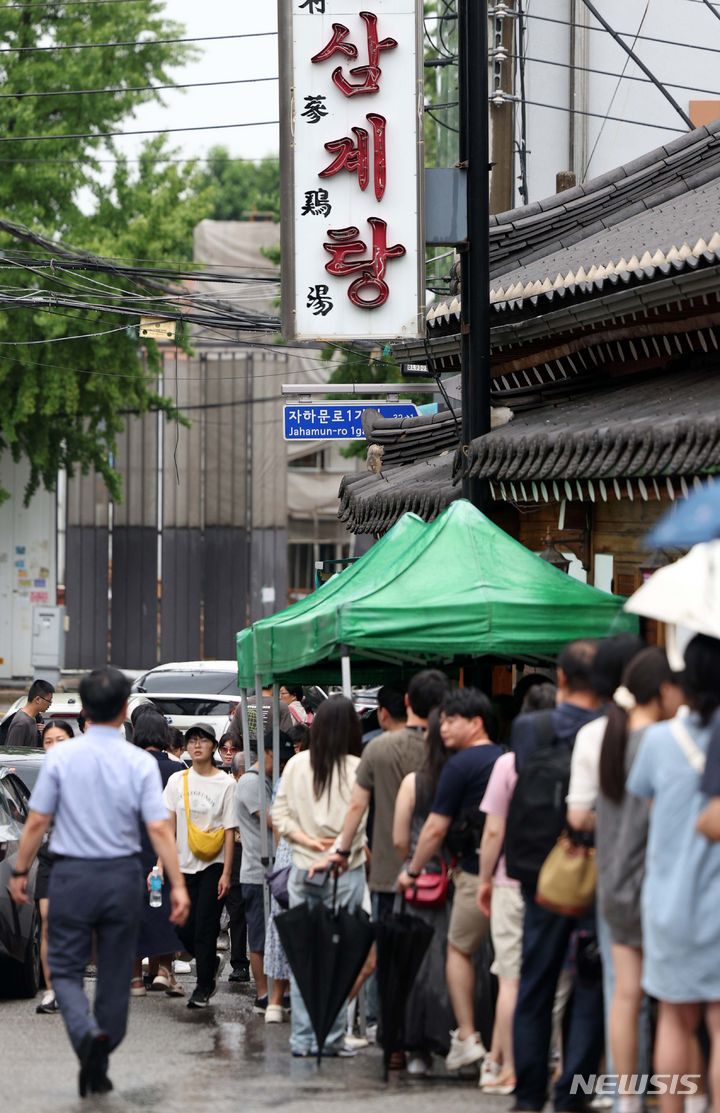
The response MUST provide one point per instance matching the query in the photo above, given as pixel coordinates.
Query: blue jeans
(351, 886)
(545, 943)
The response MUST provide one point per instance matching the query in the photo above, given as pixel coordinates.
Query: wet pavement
(224, 1059)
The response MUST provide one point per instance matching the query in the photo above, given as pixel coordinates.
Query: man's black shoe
(200, 998)
(239, 974)
(93, 1057)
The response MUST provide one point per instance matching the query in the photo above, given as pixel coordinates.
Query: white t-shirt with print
(212, 805)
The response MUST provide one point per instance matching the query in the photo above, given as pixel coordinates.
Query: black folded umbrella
(402, 940)
(326, 949)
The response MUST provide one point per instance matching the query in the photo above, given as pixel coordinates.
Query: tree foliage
(63, 387)
(240, 189)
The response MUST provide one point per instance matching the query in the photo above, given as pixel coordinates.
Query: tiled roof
(522, 235)
(631, 441)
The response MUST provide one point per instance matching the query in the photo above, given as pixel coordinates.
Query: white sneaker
(274, 1014)
(490, 1071)
(371, 1033)
(181, 967)
(418, 1066)
(356, 1042)
(463, 1053)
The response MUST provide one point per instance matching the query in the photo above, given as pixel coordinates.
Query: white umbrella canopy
(686, 596)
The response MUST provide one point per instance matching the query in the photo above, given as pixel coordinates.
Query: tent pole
(346, 677)
(276, 730)
(262, 785)
(245, 724)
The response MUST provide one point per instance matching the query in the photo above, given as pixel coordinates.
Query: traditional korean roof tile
(659, 434)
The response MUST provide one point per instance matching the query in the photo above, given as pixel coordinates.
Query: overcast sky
(219, 61)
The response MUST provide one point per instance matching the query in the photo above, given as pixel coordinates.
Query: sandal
(174, 989)
(137, 987)
(161, 981)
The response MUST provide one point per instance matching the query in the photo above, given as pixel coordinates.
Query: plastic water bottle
(156, 884)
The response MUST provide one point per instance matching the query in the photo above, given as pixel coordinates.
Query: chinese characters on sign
(353, 226)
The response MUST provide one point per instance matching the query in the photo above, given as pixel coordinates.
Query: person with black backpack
(543, 743)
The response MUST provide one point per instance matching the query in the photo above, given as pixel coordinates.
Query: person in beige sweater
(309, 811)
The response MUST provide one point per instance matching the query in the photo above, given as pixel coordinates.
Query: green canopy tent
(456, 587)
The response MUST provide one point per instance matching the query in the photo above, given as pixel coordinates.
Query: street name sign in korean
(352, 169)
(336, 421)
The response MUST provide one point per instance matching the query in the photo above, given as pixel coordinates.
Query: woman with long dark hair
(681, 890)
(309, 812)
(56, 730)
(428, 1015)
(648, 693)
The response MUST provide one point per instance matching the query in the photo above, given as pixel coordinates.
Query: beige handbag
(567, 879)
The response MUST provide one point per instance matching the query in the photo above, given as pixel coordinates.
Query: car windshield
(197, 708)
(214, 683)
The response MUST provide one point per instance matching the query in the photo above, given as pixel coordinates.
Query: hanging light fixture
(554, 556)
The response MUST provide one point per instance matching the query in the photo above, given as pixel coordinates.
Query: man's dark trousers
(103, 896)
(545, 945)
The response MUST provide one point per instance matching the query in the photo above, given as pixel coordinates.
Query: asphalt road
(220, 1060)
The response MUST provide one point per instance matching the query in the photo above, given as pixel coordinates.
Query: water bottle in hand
(156, 884)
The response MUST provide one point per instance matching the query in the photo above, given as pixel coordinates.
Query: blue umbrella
(688, 523)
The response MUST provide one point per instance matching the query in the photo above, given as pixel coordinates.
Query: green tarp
(455, 587)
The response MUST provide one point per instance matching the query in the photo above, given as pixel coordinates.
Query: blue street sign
(336, 421)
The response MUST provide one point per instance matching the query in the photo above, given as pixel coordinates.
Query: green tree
(61, 399)
(241, 189)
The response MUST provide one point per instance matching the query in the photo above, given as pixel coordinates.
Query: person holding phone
(309, 812)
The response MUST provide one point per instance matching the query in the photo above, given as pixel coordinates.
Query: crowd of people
(610, 760)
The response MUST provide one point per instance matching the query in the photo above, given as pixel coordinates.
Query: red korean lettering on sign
(368, 76)
(350, 255)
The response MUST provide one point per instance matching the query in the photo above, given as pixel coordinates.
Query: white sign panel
(353, 251)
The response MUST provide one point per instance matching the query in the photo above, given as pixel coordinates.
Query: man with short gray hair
(96, 794)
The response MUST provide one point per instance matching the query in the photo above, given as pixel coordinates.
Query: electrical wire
(627, 34)
(636, 58)
(602, 116)
(612, 74)
(118, 134)
(601, 129)
(135, 88)
(90, 159)
(136, 43)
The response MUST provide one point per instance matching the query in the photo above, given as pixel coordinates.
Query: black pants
(545, 944)
(235, 906)
(104, 896)
(199, 933)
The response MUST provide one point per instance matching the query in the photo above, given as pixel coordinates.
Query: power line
(134, 88)
(136, 43)
(611, 74)
(626, 34)
(637, 60)
(615, 93)
(145, 131)
(66, 3)
(602, 116)
(122, 159)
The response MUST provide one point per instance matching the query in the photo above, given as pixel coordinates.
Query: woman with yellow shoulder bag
(201, 803)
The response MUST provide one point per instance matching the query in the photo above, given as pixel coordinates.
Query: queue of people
(611, 759)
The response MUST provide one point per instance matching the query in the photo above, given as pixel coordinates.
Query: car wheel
(22, 979)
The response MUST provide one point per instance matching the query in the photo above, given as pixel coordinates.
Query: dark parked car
(26, 763)
(19, 925)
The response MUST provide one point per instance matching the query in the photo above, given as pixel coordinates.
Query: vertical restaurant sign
(352, 169)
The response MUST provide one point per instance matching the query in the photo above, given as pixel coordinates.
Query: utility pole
(475, 258)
